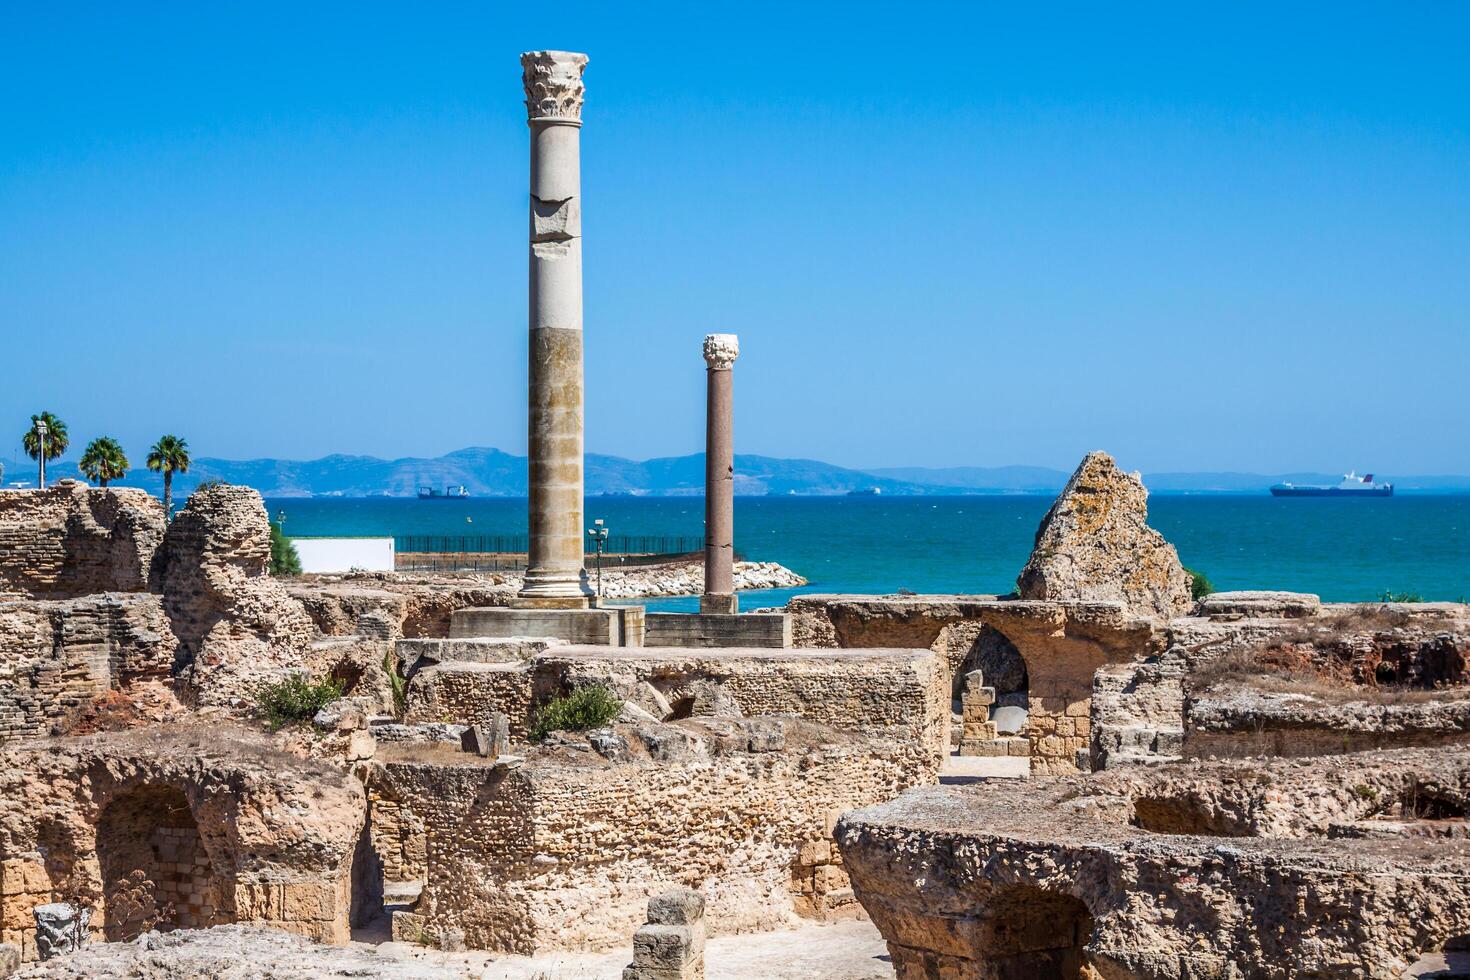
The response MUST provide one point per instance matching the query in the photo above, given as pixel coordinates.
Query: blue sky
(1202, 237)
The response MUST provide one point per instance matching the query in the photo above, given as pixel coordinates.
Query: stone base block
(762, 630)
(552, 602)
(725, 603)
(601, 627)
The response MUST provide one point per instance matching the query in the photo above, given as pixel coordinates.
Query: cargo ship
(448, 493)
(1352, 485)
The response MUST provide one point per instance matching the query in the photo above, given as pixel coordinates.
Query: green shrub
(1390, 596)
(284, 559)
(585, 708)
(397, 683)
(1199, 585)
(295, 699)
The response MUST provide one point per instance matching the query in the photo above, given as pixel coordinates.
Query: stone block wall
(563, 854)
(175, 826)
(903, 694)
(57, 655)
(717, 630)
(72, 540)
(1063, 645)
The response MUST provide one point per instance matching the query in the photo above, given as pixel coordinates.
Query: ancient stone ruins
(1248, 784)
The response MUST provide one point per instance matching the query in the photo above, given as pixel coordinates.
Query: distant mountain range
(492, 473)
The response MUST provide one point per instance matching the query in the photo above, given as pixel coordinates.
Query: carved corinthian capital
(553, 81)
(720, 350)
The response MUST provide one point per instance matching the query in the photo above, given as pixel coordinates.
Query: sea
(1343, 550)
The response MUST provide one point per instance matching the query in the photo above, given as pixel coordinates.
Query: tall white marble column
(555, 576)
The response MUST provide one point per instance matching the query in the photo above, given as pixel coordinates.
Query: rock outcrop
(236, 626)
(72, 540)
(1094, 544)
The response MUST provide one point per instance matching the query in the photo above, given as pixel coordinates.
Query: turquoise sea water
(1344, 550)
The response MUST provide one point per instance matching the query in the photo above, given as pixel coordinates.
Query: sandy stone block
(985, 747)
(663, 947)
(1083, 726)
(361, 746)
(983, 730)
(1019, 747)
(258, 900)
(17, 911)
(307, 902)
(19, 876)
(1065, 727)
(680, 907)
(815, 852)
(9, 959)
(1079, 709)
(829, 878)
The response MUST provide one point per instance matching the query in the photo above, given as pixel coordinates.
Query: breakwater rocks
(687, 578)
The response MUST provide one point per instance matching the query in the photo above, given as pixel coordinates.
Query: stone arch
(70, 876)
(347, 675)
(1035, 933)
(157, 868)
(994, 654)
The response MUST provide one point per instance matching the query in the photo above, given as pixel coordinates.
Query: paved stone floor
(966, 768)
(849, 950)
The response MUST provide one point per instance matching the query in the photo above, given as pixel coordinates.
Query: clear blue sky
(1228, 236)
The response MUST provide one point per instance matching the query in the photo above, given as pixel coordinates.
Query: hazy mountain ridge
(489, 472)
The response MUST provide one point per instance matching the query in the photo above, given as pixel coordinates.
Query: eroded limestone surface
(235, 624)
(1221, 870)
(72, 540)
(1094, 544)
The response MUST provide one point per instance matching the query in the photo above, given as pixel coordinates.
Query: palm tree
(56, 442)
(104, 460)
(169, 455)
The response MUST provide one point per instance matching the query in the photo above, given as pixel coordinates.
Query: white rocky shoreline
(687, 578)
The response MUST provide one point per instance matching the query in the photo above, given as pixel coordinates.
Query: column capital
(553, 83)
(720, 350)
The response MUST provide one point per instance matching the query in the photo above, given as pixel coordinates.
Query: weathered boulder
(236, 625)
(1094, 544)
(72, 540)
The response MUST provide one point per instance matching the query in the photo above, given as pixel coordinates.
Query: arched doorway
(1036, 934)
(156, 871)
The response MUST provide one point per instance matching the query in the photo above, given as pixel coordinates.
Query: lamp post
(598, 533)
(41, 431)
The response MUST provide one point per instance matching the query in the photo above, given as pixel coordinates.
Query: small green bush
(397, 683)
(585, 708)
(294, 700)
(284, 559)
(1390, 596)
(1199, 585)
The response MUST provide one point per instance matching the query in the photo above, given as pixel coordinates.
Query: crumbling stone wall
(56, 655)
(1062, 645)
(563, 851)
(1351, 868)
(72, 540)
(1309, 686)
(255, 835)
(901, 694)
(236, 626)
